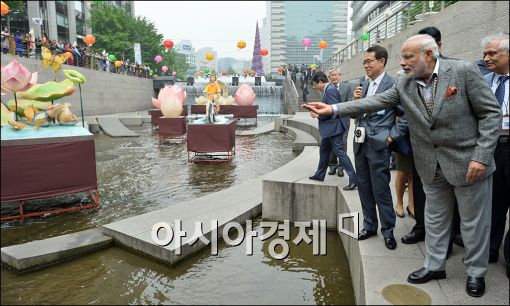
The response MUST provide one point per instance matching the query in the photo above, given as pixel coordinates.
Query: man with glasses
(496, 58)
(372, 156)
(454, 121)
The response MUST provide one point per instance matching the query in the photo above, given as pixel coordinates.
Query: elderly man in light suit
(454, 121)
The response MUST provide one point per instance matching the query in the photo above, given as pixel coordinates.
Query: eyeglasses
(368, 61)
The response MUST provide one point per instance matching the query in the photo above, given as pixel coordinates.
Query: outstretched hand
(319, 108)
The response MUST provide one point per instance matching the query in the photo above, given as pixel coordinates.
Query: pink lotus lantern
(181, 94)
(174, 73)
(171, 102)
(244, 95)
(175, 92)
(164, 68)
(17, 78)
(307, 42)
(158, 58)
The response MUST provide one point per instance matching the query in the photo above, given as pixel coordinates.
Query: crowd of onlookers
(31, 47)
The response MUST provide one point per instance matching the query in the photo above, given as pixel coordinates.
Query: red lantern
(323, 44)
(168, 43)
(89, 40)
(245, 70)
(264, 52)
(5, 8)
(280, 70)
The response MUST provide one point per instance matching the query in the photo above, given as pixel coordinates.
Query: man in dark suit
(496, 57)
(331, 131)
(334, 77)
(372, 156)
(454, 121)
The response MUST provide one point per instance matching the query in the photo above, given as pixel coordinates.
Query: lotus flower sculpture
(17, 78)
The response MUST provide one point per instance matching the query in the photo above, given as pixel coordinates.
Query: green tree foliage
(231, 71)
(16, 5)
(116, 31)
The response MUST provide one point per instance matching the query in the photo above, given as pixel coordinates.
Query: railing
(84, 59)
(397, 18)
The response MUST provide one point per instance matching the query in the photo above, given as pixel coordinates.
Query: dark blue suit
(331, 131)
(372, 159)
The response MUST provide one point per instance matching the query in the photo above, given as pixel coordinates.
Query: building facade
(185, 47)
(202, 62)
(59, 20)
(287, 23)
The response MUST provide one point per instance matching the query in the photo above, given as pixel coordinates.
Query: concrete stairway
(313, 94)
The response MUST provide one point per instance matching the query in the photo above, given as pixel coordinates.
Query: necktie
(374, 88)
(500, 91)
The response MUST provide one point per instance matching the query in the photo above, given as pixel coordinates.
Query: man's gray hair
(502, 37)
(427, 42)
(333, 69)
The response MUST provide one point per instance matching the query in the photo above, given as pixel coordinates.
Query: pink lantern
(177, 91)
(174, 73)
(173, 91)
(158, 58)
(164, 68)
(307, 42)
(244, 95)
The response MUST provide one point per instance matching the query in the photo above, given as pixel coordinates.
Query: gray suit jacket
(463, 127)
(380, 126)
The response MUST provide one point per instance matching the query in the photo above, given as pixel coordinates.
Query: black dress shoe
(423, 275)
(340, 173)
(315, 178)
(351, 186)
(364, 234)
(475, 286)
(390, 243)
(413, 237)
(332, 171)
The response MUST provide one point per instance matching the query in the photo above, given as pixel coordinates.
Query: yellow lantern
(117, 63)
(241, 44)
(209, 57)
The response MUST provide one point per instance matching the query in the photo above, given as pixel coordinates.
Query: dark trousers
(334, 162)
(335, 144)
(372, 169)
(500, 200)
(419, 202)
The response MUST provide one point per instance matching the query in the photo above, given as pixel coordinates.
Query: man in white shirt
(496, 58)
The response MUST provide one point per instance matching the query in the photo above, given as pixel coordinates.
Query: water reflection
(330, 272)
(138, 175)
(117, 276)
(207, 177)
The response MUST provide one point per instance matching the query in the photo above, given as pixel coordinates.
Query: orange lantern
(264, 52)
(241, 44)
(209, 57)
(5, 8)
(89, 40)
(323, 44)
(245, 70)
